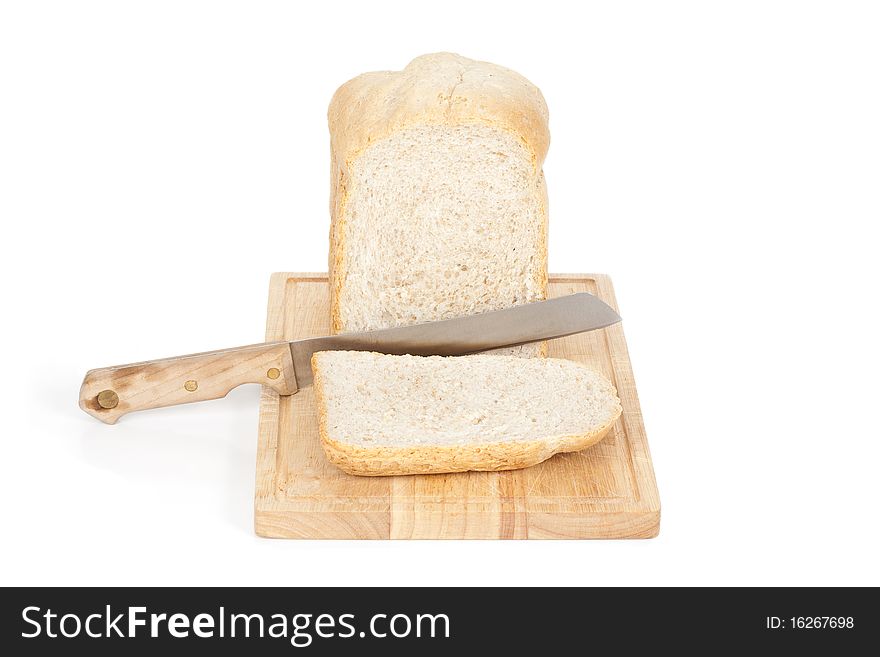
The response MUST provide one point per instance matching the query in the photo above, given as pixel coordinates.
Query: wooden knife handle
(111, 392)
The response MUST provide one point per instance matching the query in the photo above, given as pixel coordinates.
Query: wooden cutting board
(606, 491)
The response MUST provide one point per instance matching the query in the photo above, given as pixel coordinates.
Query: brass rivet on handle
(191, 386)
(273, 373)
(107, 399)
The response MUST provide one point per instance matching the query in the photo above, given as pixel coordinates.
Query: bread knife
(109, 393)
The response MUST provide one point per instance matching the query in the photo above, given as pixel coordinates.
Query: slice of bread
(438, 201)
(392, 415)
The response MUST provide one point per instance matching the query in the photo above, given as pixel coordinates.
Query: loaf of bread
(438, 201)
(389, 415)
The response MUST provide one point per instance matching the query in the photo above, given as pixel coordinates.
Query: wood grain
(606, 491)
(109, 393)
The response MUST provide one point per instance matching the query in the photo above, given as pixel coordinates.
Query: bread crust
(435, 89)
(428, 459)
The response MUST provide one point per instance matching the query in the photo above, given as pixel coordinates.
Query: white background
(721, 161)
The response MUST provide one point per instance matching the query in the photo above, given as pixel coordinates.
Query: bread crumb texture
(439, 203)
(382, 414)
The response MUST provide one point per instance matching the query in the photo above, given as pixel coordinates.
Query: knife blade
(531, 322)
(110, 392)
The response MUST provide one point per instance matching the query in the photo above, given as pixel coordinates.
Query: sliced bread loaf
(391, 415)
(438, 201)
